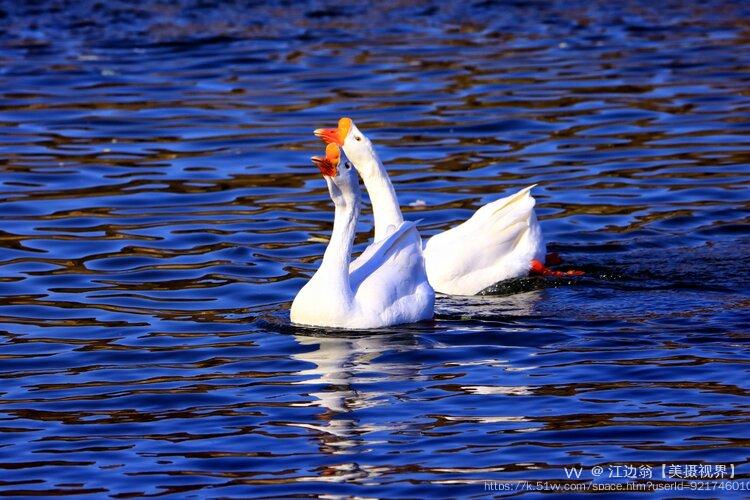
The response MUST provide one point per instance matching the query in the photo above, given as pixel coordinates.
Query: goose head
(355, 144)
(338, 173)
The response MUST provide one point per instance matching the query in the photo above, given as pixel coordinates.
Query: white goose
(386, 285)
(502, 240)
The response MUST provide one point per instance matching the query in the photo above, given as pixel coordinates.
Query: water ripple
(159, 213)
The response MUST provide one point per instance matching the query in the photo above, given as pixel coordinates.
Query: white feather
(497, 243)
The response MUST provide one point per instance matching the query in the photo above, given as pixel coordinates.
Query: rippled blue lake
(159, 212)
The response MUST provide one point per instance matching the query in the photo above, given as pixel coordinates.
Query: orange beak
(335, 135)
(324, 166)
(329, 136)
(328, 165)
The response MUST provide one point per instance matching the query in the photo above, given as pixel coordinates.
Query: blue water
(159, 212)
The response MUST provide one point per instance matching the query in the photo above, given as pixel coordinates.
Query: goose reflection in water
(343, 365)
(346, 366)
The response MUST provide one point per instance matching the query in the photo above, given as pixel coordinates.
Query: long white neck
(335, 266)
(385, 207)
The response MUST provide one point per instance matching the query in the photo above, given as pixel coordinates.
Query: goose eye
(357, 138)
(348, 165)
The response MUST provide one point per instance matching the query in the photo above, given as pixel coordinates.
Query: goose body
(386, 285)
(499, 241)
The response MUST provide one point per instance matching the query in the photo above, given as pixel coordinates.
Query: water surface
(159, 212)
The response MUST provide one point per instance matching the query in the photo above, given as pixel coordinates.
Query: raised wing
(498, 242)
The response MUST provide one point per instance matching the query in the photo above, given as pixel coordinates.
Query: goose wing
(498, 242)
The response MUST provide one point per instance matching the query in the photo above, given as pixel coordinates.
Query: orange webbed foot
(539, 269)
